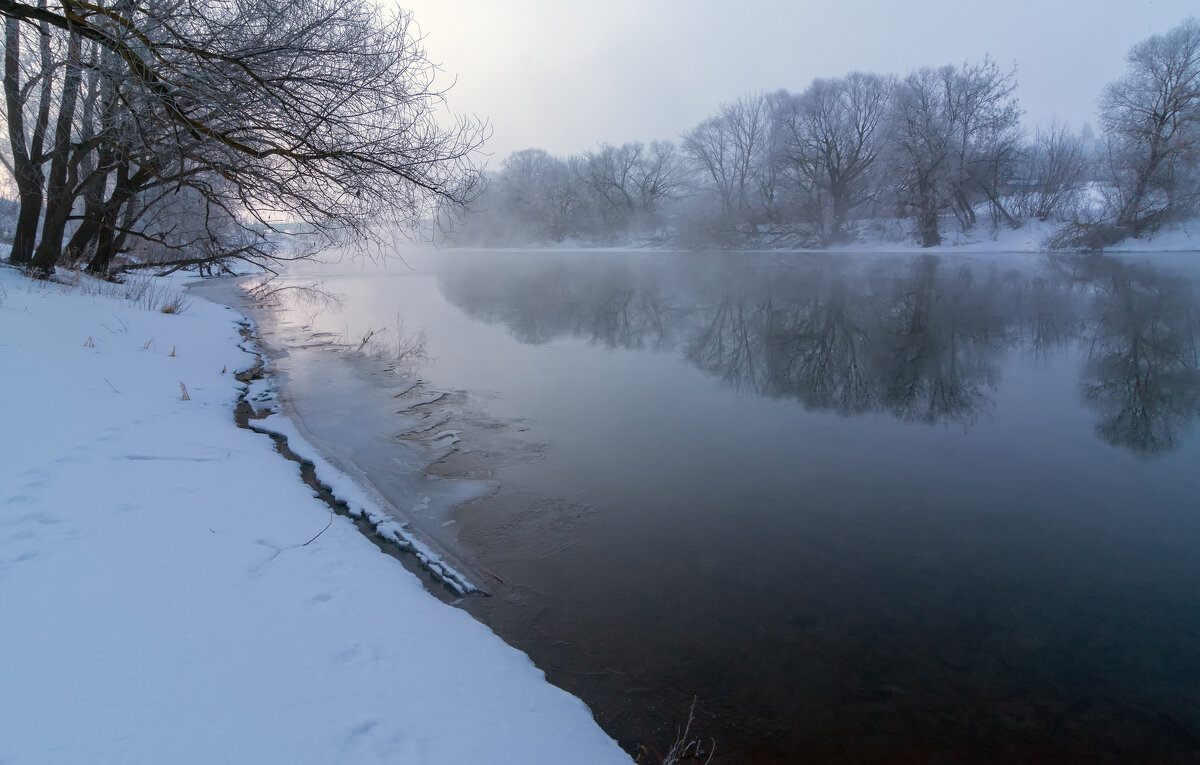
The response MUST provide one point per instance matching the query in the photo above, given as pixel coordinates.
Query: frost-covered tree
(538, 192)
(658, 177)
(919, 143)
(952, 136)
(317, 111)
(1151, 124)
(628, 184)
(1052, 172)
(732, 151)
(985, 129)
(608, 175)
(827, 140)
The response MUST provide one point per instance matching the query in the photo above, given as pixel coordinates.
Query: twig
(365, 338)
(684, 749)
(494, 575)
(322, 531)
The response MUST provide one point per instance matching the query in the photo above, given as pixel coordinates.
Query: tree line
(185, 132)
(940, 148)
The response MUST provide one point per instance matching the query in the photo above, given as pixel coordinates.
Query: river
(860, 507)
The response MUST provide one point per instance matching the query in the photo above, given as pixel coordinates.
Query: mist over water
(865, 508)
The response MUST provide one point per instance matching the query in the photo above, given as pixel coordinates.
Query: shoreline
(171, 587)
(1028, 240)
(380, 520)
(446, 585)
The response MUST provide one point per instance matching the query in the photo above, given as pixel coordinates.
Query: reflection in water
(917, 338)
(938, 342)
(1141, 375)
(716, 477)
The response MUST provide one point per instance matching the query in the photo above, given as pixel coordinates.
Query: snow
(981, 239)
(1177, 237)
(362, 503)
(159, 600)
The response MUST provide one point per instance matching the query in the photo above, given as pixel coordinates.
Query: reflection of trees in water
(916, 343)
(733, 345)
(939, 342)
(919, 338)
(821, 348)
(1049, 313)
(629, 318)
(542, 298)
(1142, 374)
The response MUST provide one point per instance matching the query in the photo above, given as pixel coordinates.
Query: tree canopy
(239, 113)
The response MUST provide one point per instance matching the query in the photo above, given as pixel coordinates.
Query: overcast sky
(566, 75)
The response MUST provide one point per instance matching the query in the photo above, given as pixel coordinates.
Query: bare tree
(829, 137)
(317, 111)
(984, 121)
(920, 138)
(538, 192)
(58, 200)
(26, 140)
(1151, 122)
(630, 183)
(953, 137)
(658, 176)
(732, 149)
(609, 175)
(1053, 169)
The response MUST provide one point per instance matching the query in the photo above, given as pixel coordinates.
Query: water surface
(865, 508)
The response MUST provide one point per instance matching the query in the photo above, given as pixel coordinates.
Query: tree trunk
(999, 209)
(84, 163)
(104, 251)
(58, 200)
(93, 209)
(28, 175)
(840, 198)
(27, 222)
(927, 216)
(1129, 217)
(106, 247)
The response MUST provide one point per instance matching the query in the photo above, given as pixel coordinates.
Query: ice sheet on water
(362, 504)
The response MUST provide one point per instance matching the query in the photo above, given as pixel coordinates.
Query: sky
(568, 75)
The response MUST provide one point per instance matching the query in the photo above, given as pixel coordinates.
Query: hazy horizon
(567, 77)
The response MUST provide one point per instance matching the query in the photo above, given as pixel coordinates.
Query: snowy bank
(159, 601)
(893, 237)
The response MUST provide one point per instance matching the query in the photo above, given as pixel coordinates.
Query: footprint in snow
(359, 731)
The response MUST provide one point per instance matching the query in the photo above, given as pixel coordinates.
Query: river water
(862, 508)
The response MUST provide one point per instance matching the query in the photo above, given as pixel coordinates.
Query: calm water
(866, 509)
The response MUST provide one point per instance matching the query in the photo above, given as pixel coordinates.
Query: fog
(567, 76)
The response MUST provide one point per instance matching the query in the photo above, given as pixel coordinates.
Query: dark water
(864, 508)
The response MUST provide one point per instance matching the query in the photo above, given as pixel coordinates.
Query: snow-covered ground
(1181, 237)
(158, 600)
(1031, 237)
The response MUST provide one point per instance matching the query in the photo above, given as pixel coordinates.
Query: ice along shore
(159, 602)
